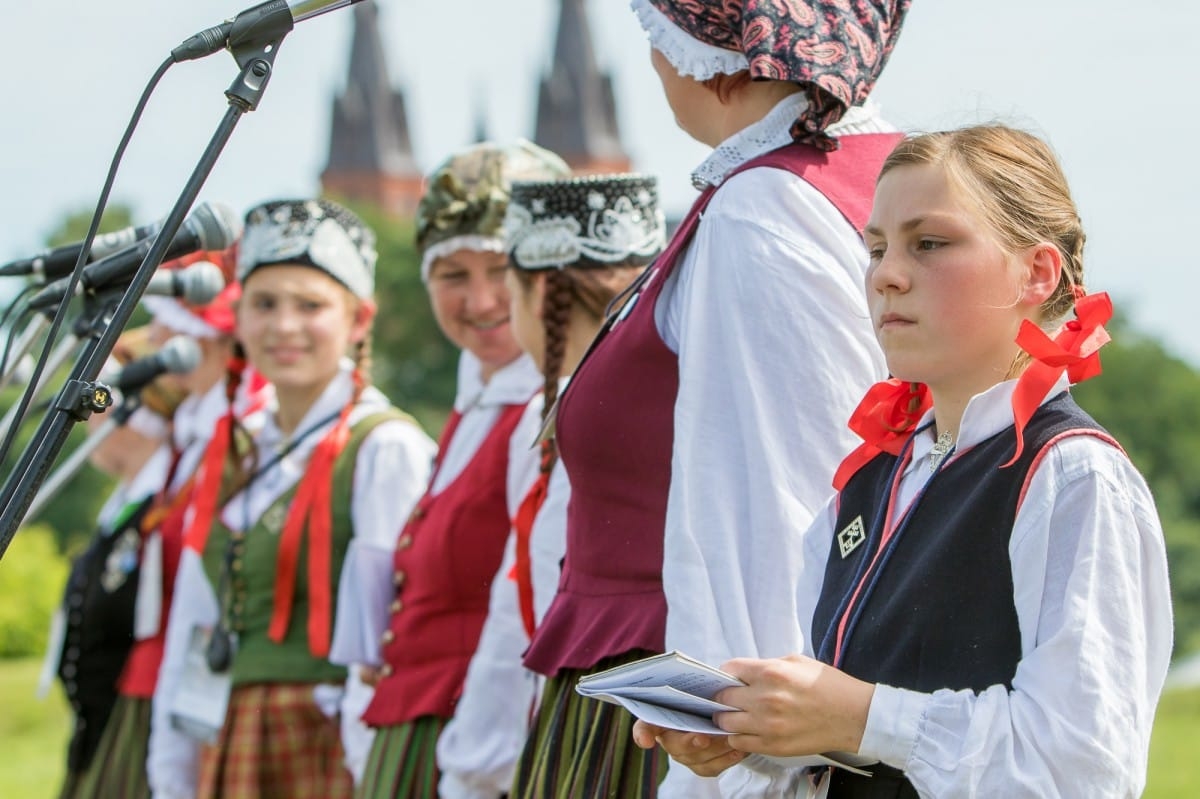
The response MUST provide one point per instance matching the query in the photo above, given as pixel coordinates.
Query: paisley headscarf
(835, 49)
(466, 198)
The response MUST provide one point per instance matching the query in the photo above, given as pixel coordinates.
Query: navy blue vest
(938, 611)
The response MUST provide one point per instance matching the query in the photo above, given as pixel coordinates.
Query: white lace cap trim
(168, 312)
(472, 241)
(691, 57)
(613, 235)
(774, 131)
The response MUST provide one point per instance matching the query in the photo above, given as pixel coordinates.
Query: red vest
(615, 430)
(445, 560)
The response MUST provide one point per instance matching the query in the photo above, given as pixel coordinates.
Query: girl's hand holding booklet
(676, 691)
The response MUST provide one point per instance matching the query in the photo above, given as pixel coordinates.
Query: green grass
(1174, 764)
(33, 737)
(33, 733)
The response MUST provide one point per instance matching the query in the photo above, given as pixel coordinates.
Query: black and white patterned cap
(599, 221)
(316, 233)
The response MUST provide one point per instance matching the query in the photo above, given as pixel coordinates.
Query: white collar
(197, 416)
(513, 384)
(774, 131)
(986, 414)
(332, 399)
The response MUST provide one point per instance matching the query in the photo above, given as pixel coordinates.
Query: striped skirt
(403, 761)
(119, 766)
(582, 748)
(276, 744)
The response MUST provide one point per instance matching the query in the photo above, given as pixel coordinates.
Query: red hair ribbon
(887, 414)
(1075, 350)
(313, 503)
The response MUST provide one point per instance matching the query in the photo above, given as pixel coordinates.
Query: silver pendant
(941, 448)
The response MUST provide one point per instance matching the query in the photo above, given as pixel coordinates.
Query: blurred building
(370, 150)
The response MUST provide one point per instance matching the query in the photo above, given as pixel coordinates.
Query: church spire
(370, 151)
(576, 114)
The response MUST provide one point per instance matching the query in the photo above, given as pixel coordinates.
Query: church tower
(576, 111)
(370, 151)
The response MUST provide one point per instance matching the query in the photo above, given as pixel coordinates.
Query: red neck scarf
(883, 420)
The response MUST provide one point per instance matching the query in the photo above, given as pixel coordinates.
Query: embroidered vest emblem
(852, 536)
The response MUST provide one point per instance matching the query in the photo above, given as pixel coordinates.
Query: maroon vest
(445, 560)
(615, 430)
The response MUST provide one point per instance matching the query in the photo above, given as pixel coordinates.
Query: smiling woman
(470, 303)
(431, 615)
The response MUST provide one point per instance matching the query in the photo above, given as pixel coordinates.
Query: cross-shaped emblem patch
(850, 538)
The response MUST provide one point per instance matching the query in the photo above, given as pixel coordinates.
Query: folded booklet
(676, 692)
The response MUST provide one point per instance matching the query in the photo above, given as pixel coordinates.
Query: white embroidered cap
(591, 221)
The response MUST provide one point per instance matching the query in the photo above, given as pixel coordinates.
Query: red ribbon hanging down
(313, 503)
(212, 463)
(1075, 350)
(522, 570)
(887, 414)
(204, 503)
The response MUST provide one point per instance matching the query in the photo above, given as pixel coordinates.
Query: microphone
(273, 18)
(210, 226)
(60, 261)
(195, 284)
(179, 355)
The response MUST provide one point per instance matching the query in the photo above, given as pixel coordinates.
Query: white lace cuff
(690, 56)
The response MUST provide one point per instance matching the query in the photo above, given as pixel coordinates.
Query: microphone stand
(74, 462)
(89, 324)
(254, 41)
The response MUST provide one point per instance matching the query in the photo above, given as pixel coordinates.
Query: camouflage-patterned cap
(466, 197)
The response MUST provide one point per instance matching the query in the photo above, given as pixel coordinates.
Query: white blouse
(1093, 605)
(478, 750)
(768, 315)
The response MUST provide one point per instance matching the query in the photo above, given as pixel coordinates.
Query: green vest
(251, 580)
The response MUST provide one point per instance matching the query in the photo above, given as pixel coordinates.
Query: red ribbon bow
(1075, 350)
(887, 414)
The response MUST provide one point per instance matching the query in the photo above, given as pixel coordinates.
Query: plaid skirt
(582, 748)
(119, 766)
(403, 761)
(275, 744)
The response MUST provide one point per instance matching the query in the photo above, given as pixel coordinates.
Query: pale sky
(1110, 84)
